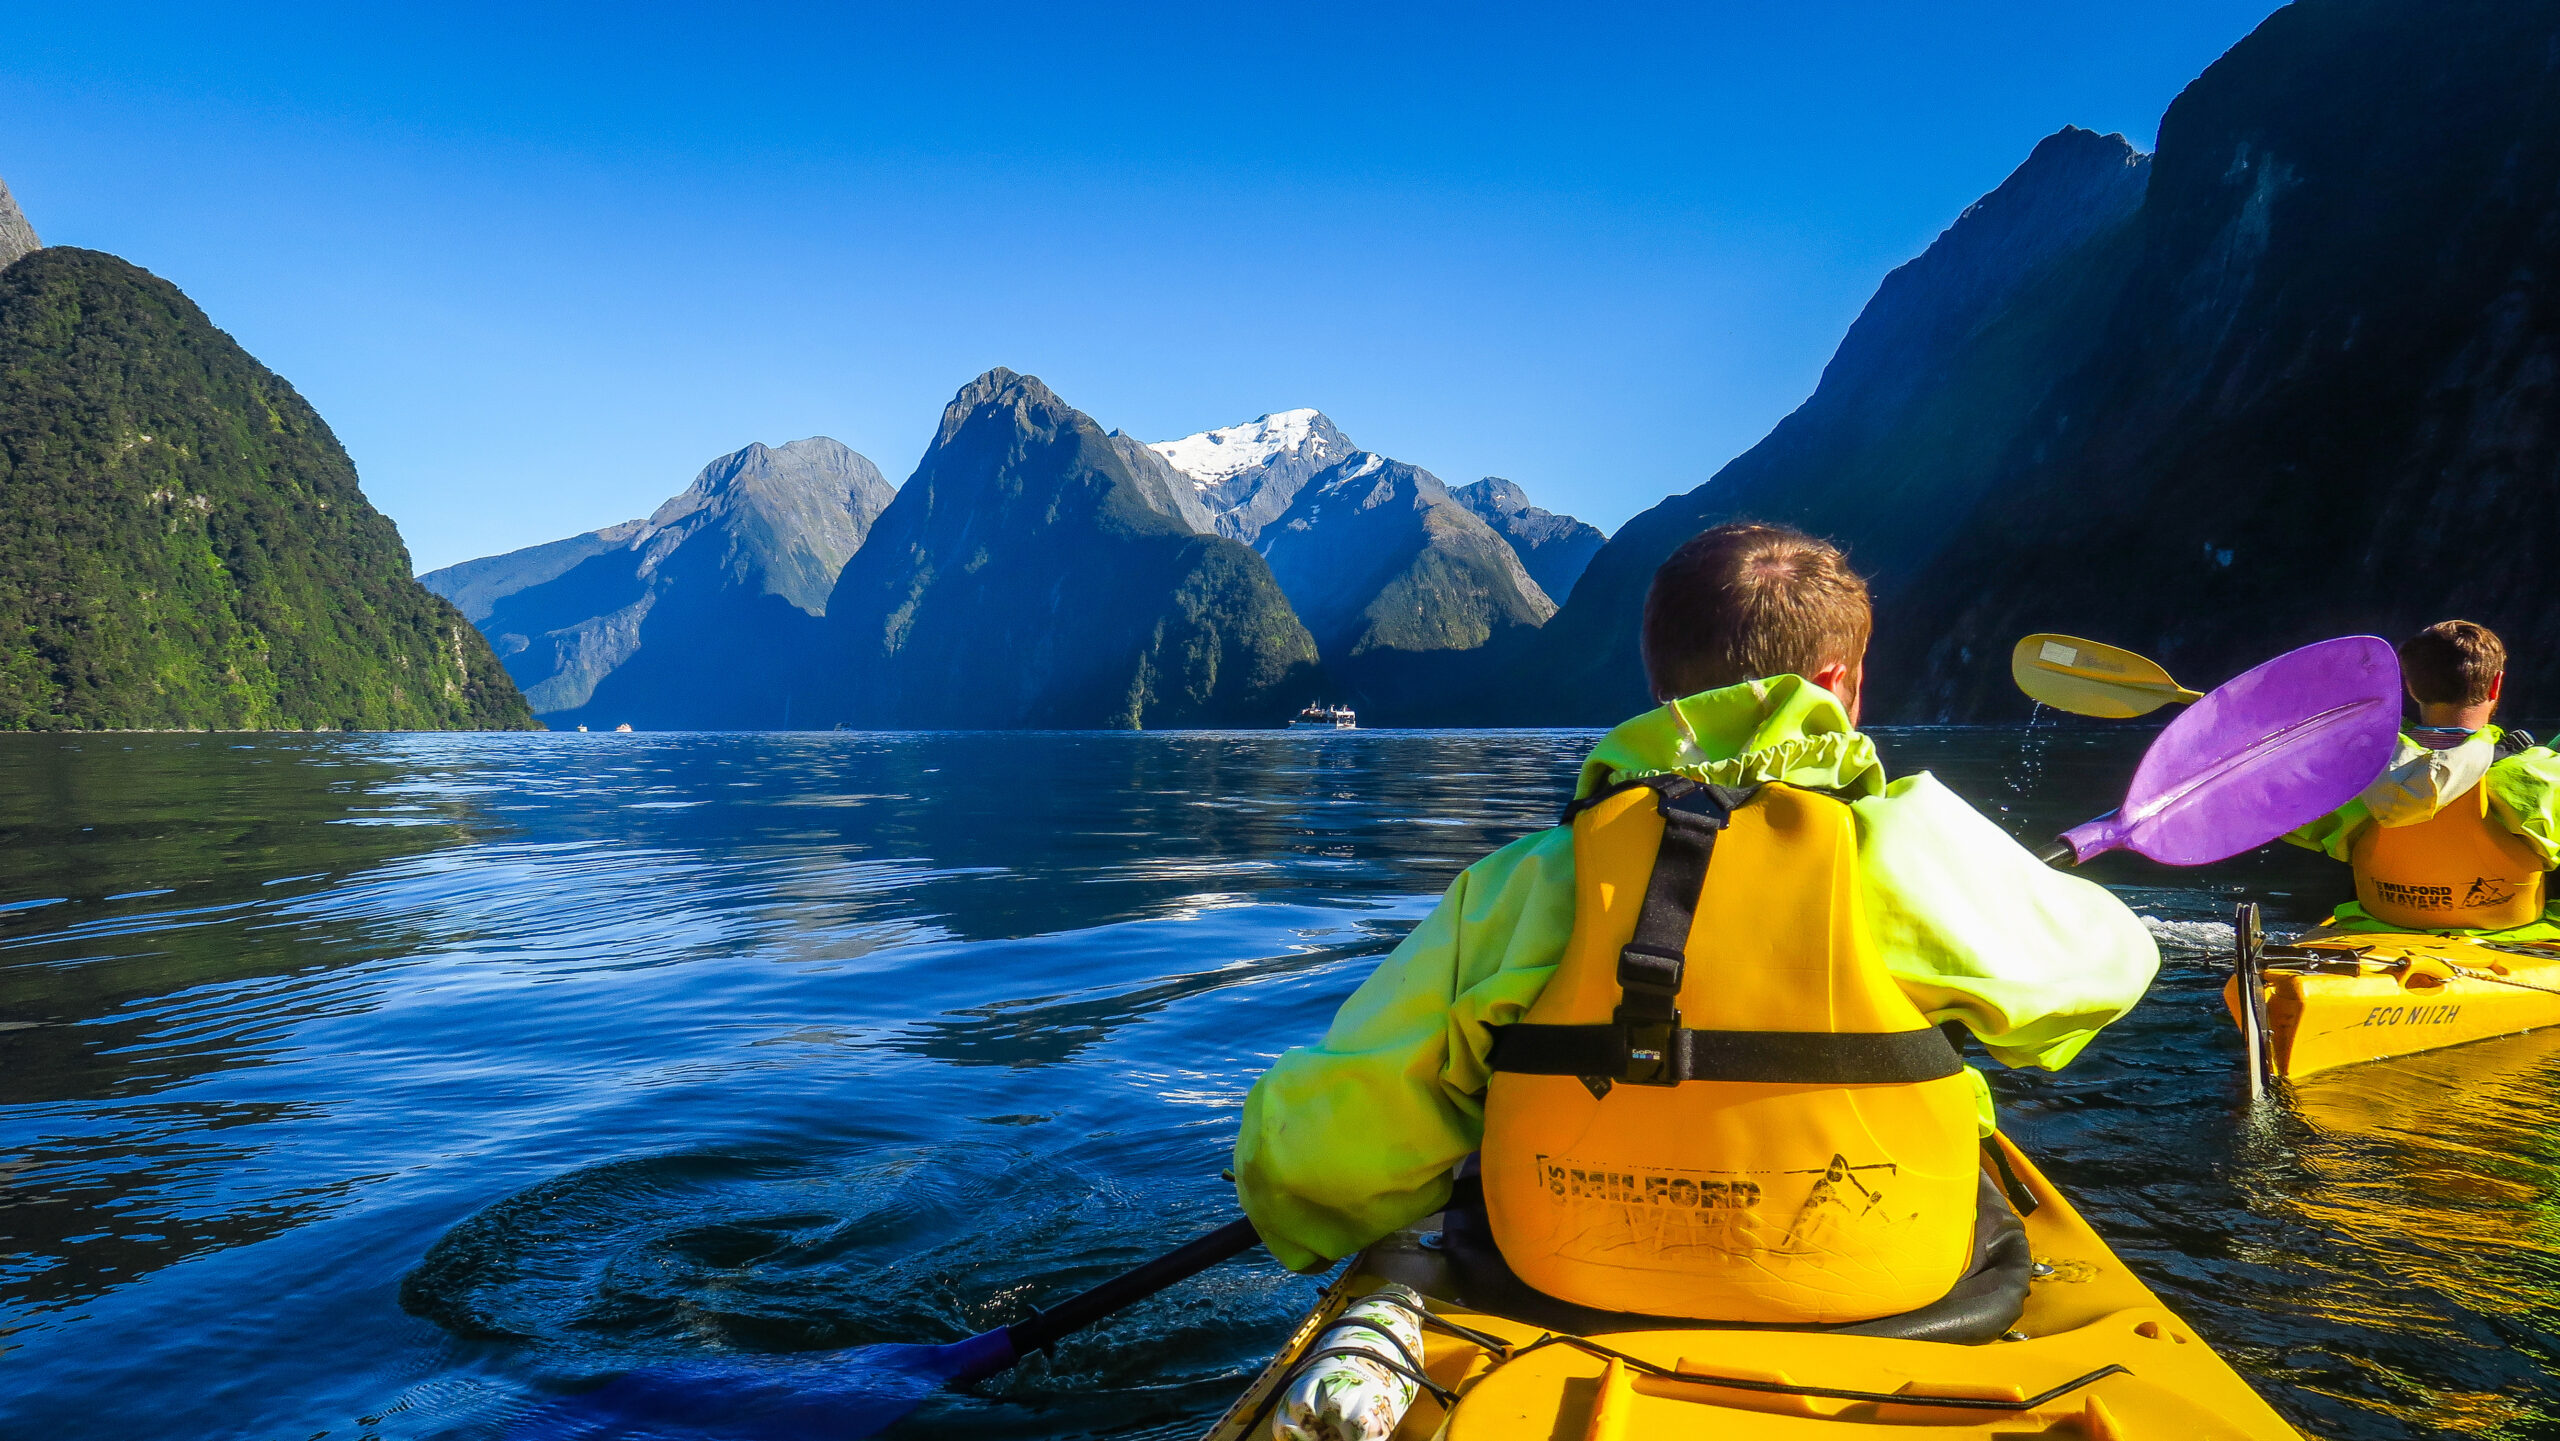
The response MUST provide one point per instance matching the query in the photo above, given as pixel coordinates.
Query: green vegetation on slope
(182, 540)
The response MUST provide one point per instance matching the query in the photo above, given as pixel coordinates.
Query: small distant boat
(1319, 716)
(625, 726)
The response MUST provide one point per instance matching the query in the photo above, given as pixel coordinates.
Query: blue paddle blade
(841, 1394)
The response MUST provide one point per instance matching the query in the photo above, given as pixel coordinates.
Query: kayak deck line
(2095, 1356)
(2342, 998)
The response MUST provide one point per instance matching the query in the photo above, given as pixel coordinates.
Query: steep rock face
(1397, 581)
(2328, 399)
(1554, 548)
(1166, 491)
(476, 586)
(694, 617)
(183, 542)
(1028, 574)
(786, 519)
(1246, 475)
(17, 237)
(1907, 429)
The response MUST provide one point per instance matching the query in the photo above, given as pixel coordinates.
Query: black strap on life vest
(1644, 1043)
(2511, 743)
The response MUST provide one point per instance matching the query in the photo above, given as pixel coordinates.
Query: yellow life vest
(2456, 870)
(1744, 1119)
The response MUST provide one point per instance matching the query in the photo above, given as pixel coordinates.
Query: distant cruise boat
(1319, 716)
(622, 728)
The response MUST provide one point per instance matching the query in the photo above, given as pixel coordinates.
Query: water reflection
(655, 1044)
(2423, 1197)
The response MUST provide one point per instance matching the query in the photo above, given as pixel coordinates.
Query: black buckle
(1650, 1046)
(1643, 969)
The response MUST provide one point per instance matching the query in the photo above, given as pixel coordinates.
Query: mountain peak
(17, 237)
(2075, 185)
(1246, 475)
(1032, 402)
(1493, 496)
(1212, 456)
(1555, 548)
(1036, 570)
(819, 459)
(796, 512)
(686, 618)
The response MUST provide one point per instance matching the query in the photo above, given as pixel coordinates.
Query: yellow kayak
(2095, 1357)
(2336, 999)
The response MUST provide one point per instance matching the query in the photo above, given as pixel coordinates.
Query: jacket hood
(1784, 728)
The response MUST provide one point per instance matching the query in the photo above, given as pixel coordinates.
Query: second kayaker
(2459, 833)
(1694, 1031)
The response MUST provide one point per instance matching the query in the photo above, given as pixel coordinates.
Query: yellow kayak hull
(2087, 1315)
(2381, 994)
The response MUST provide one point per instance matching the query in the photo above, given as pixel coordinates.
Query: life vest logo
(1680, 1189)
(1667, 1214)
(2489, 891)
(2422, 898)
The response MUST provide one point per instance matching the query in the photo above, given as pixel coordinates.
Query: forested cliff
(183, 543)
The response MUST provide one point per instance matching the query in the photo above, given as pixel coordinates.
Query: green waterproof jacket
(2524, 797)
(1354, 1137)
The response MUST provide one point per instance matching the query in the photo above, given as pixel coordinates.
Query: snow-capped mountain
(1247, 474)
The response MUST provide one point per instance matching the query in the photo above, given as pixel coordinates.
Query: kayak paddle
(2271, 750)
(2086, 677)
(855, 1392)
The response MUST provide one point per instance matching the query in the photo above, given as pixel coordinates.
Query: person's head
(2455, 671)
(1743, 601)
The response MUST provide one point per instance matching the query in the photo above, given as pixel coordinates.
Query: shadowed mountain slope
(694, 618)
(1399, 583)
(476, 586)
(2328, 399)
(1554, 548)
(1924, 395)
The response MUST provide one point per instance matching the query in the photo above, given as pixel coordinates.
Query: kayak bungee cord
(2469, 974)
(2290, 964)
(1504, 1353)
(1827, 1393)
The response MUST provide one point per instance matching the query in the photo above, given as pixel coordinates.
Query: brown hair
(2452, 662)
(1742, 601)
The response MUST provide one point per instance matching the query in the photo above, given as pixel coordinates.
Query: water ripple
(381, 1085)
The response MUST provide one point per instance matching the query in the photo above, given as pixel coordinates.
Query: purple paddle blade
(2276, 748)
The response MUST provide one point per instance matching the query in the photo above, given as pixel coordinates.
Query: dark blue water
(380, 1086)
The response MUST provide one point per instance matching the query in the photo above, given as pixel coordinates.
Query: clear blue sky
(537, 264)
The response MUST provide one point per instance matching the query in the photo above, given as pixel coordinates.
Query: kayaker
(2458, 834)
(1793, 1141)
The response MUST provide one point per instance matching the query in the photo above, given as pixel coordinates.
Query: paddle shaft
(1180, 1264)
(2247, 962)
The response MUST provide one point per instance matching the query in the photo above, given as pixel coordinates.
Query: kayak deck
(2098, 1357)
(2334, 1000)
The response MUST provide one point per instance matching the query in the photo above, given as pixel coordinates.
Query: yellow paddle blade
(2085, 677)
